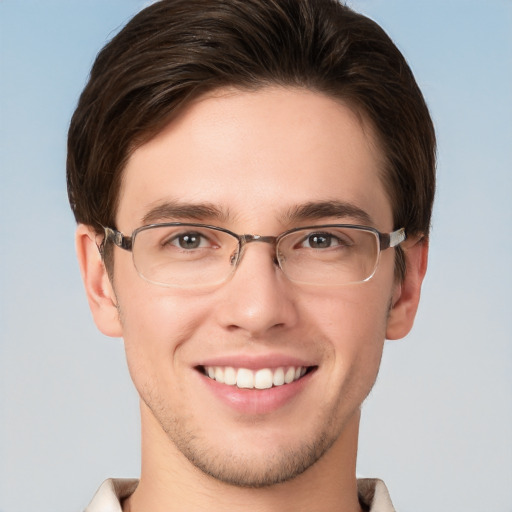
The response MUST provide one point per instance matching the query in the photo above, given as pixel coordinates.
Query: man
(253, 183)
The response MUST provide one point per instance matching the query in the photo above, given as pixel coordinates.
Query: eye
(189, 241)
(323, 240)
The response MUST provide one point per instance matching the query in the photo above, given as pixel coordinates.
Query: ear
(99, 290)
(407, 293)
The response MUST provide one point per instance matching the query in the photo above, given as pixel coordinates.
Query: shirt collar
(372, 494)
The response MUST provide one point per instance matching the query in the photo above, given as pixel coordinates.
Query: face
(252, 158)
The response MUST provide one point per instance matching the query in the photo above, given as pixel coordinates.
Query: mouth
(263, 378)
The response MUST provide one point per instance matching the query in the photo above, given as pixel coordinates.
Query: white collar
(372, 492)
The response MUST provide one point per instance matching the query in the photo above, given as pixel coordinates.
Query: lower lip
(257, 401)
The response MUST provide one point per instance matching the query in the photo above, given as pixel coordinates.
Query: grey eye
(319, 240)
(189, 241)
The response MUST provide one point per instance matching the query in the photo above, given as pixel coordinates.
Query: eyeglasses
(192, 255)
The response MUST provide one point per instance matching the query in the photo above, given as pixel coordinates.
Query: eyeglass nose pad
(236, 256)
(279, 256)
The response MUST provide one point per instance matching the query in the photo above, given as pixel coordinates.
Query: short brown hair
(175, 50)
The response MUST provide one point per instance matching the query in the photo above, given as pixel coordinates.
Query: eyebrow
(313, 210)
(317, 210)
(177, 211)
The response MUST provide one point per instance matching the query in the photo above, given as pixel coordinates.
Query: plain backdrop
(437, 427)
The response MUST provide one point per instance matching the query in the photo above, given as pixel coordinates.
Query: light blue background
(437, 427)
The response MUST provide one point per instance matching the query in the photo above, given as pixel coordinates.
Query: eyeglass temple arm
(122, 241)
(393, 239)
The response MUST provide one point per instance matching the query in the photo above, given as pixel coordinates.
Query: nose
(258, 298)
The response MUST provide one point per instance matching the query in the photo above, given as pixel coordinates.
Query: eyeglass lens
(191, 256)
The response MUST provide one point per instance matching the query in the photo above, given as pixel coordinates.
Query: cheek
(155, 325)
(351, 313)
(354, 321)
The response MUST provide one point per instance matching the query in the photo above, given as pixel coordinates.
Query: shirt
(373, 494)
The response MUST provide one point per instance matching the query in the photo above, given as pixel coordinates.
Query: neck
(169, 482)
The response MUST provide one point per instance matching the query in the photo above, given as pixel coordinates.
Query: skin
(254, 156)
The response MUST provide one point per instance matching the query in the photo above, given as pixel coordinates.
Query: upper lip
(252, 362)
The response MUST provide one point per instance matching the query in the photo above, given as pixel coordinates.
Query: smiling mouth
(264, 378)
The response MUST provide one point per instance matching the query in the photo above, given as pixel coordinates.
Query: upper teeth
(255, 379)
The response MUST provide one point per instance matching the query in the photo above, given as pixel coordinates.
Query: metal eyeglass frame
(386, 240)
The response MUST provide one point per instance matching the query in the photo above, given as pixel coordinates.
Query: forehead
(255, 156)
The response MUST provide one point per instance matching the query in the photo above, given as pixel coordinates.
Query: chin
(255, 459)
(256, 470)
